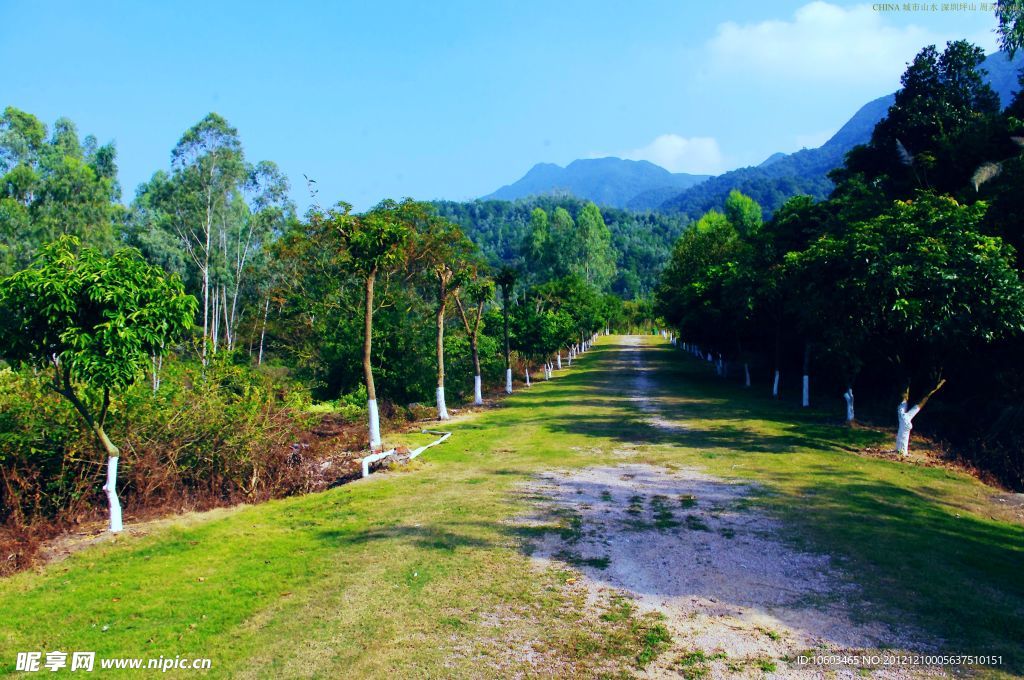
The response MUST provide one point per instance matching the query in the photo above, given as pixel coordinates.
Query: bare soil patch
(738, 598)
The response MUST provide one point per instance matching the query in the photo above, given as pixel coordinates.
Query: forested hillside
(641, 241)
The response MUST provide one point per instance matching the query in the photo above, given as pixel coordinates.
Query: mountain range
(609, 182)
(644, 186)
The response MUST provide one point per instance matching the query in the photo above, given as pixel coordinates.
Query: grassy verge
(419, 573)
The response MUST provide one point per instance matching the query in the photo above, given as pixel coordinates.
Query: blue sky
(453, 99)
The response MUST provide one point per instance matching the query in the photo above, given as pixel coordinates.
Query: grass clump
(695, 523)
(636, 505)
(696, 664)
(663, 517)
(577, 560)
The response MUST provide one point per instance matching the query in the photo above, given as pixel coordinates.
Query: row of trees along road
(218, 267)
(909, 274)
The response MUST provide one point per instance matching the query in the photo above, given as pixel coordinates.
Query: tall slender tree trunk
(508, 351)
(206, 269)
(371, 390)
(229, 336)
(442, 409)
(778, 355)
(806, 400)
(263, 331)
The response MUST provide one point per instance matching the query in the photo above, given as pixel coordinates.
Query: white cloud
(697, 155)
(824, 42)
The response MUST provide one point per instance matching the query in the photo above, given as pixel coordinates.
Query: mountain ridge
(607, 181)
(644, 186)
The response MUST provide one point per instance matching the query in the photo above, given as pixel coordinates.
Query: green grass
(406, 573)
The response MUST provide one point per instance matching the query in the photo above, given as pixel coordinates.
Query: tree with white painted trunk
(905, 414)
(374, 245)
(478, 292)
(446, 252)
(928, 284)
(506, 279)
(93, 323)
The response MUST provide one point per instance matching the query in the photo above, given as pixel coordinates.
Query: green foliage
(639, 243)
(52, 187)
(94, 319)
(206, 436)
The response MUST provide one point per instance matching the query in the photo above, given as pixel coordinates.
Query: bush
(203, 439)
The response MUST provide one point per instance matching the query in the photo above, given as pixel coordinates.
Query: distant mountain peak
(609, 181)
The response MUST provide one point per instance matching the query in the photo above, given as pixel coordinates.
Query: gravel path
(738, 598)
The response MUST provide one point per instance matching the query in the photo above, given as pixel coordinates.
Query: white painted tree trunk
(478, 393)
(371, 408)
(526, 371)
(775, 385)
(558, 360)
(848, 396)
(111, 489)
(508, 380)
(806, 401)
(904, 424)
(442, 408)
(746, 374)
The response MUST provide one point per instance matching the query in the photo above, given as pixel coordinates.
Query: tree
(930, 284)
(927, 139)
(447, 252)
(478, 291)
(1011, 29)
(209, 168)
(373, 244)
(506, 278)
(51, 187)
(595, 257)
(92, 321)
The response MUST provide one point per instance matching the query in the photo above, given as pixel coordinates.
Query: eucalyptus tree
(92, 322)
(262, 208)
(208, 169)
(53, 186)
(595, 256)
(478, 291)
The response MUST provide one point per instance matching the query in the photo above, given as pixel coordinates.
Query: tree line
(210, 277)
(906, 280)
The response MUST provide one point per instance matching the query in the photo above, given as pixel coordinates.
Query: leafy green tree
(595, 258)
(447, 253)
(374, 245)
(929, 283)
(478, 291)
(929, 138)
(1011, 28)
(538, 249)
(51, 187)
(743, 213)
(92, 321)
